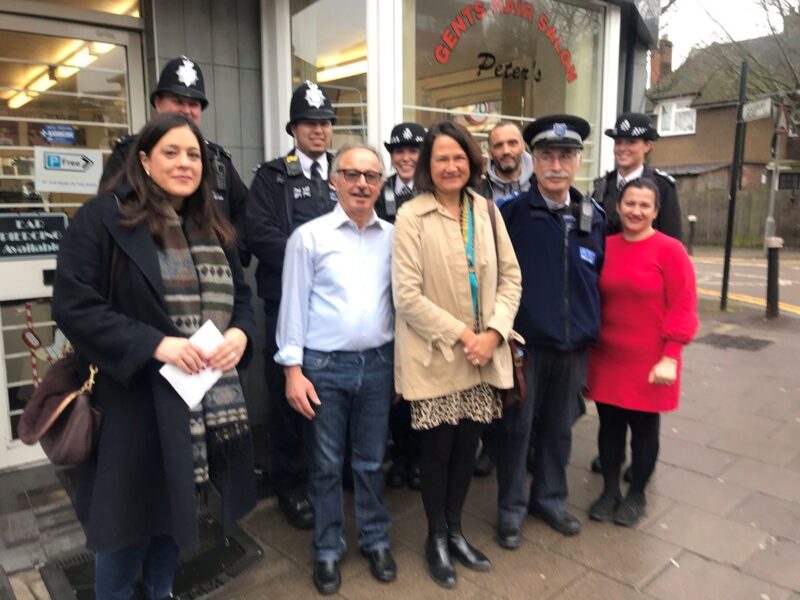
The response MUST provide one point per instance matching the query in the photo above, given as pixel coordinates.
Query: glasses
(551, 157)
(353, 176)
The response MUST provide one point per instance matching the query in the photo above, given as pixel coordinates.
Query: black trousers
(405, 441)
(288, 472)
(447, 459)
(614, 423)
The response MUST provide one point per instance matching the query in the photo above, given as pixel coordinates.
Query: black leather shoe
(414, 480)
(437, 555)
(297, 510)
(484, 465)
(630, 510)
(509, 537)
(327, 576)
(603, 508)
(381, 564)
(396, 477)
(596, 466)
(467, 555)
(562, 521)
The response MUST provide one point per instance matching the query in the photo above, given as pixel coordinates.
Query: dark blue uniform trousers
(554, 380)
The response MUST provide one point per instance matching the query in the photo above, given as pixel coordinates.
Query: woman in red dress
(649, 313)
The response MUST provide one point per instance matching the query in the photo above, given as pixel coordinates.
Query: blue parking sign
(53, 161)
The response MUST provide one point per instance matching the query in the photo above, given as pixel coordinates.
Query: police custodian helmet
(558, 131)
(405, 134)
(309, 103)
(181, 77)
(633, 125)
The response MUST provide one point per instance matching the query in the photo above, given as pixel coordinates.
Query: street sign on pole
(757, 109)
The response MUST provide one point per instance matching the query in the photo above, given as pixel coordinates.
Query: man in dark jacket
(558, 236)
(633, 135)
(181, 89)
(403, 147)
(287, 192)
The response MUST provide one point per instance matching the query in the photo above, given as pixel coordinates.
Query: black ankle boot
(437, 555)
(467, 555)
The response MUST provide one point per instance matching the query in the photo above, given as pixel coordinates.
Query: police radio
(219, 171)
(389, 201)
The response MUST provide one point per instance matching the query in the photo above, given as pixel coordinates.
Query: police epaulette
(666, 176)
(597, 206)
(218, 148)
(124, 140)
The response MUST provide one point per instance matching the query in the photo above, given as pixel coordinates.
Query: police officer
(633, 136)
(287, 192)
(558, 236)
(403, 147)
(181, 89)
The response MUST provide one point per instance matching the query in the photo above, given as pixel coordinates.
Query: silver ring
(476, 362)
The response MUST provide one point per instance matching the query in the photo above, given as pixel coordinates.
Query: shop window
(329, 47)
(676, 117)
(483, 61)
(130, 8)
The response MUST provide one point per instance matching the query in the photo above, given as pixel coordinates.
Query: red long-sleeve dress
(649, 310)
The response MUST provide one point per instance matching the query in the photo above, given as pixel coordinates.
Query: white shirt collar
(553, 205)
(631, 176)
(339, 218)
(306, 162)
(399, 185)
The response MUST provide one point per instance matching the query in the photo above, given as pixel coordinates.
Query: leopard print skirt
(481, 403)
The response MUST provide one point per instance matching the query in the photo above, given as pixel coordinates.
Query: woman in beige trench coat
(455, 297)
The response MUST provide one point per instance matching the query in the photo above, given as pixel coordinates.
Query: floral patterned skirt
(481, 403)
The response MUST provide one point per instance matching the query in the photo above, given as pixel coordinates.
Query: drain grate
(217, 563)
(737, 342)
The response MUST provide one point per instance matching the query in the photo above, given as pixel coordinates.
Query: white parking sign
(67, 170)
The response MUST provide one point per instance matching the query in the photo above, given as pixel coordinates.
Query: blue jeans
(116, 571)
(355, 390)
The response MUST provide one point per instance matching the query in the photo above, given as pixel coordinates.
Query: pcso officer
(559, 239)
(181, 89)
(633, 136)
(287, 192)
(403, 147)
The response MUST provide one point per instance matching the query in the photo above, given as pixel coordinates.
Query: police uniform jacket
(229, 188)
(383, 207)
(271, 210)
(668, 220)
(140, 482)
(560, 264)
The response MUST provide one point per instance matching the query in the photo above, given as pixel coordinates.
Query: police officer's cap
(182, 77)
(633, 125)
(309, 103)
(405, 134)
(559, 131)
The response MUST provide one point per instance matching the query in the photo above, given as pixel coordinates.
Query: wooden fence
(711, 209)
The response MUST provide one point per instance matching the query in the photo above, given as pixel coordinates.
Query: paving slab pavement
(723, 507)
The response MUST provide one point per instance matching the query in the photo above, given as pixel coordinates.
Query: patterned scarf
(199, 286)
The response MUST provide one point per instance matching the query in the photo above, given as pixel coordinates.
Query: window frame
(674, 107)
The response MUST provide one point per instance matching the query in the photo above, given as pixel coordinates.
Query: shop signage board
(23, 235)
(67, 170)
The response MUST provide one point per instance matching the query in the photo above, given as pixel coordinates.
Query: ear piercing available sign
(477, 11)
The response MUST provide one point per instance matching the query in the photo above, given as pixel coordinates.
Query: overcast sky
(699, 22)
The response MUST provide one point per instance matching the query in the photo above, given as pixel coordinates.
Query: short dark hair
(642, 183)
(422, 176)
(148, 201)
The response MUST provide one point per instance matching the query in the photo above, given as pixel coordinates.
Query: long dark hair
(422, 176)
(149, 202)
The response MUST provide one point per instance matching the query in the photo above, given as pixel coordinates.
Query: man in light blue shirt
(335, 340)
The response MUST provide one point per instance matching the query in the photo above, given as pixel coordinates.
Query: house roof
(711, 74)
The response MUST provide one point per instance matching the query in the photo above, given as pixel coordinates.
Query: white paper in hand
(192, 388)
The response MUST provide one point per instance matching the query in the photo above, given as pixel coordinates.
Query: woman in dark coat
(174, 264)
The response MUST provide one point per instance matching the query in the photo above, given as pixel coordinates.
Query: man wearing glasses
(335, 342)
(558, 236)
(287, 192)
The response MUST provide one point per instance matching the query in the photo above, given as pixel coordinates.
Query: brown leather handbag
(515, 397)
(60, 415)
